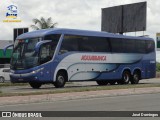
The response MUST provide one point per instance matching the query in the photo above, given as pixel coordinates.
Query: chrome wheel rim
(61, 79)
(126, 77)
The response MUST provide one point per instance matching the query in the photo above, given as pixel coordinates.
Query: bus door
(44, 60)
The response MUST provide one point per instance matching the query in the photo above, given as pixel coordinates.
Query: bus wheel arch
(61, 78)
(136, 76)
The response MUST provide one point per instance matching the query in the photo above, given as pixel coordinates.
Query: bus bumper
(24, 78)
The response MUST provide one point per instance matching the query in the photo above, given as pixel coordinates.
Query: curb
(76, 95)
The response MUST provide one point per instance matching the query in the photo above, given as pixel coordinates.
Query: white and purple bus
(61, 55)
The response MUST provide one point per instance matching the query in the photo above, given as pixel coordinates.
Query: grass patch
(12, 84)
(158, 67)
(80, 89)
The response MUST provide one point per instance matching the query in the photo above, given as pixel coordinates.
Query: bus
(60, 55)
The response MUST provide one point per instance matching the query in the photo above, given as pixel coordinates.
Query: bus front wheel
(35, 85)
(60, 80)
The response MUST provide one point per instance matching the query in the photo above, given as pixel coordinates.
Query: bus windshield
(24, 55)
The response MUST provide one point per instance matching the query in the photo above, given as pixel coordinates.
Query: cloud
(78, 14)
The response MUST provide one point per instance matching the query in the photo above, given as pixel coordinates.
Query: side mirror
(5, 49)
(39, 44)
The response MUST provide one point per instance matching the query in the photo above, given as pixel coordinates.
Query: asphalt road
(47, 87)
(144, 102)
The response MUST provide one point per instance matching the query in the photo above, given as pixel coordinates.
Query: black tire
(2, 79)
(35, 85)
(61, 79)
(119, 82)
(112, 82)
(126, 77)
(102, 82)
(135, 78)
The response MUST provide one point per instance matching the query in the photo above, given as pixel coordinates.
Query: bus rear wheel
(126, 77)
(102, 83)
(135, 78)
(35, 85)
(60, 80)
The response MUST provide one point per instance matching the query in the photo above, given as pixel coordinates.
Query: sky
(76, 14)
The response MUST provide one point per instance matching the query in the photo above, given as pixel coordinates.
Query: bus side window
(140, 46)
(100, 44)
(86, 44)
(69, 44)
(117, 45)
(129, 45)
(150, 46)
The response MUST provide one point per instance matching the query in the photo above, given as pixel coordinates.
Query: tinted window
(150, 46)
(140, 46)
(117, 45)
(84, 43)
(69, 43)
(95, 44)
(128, 45)
(102, 44)
(54, 37)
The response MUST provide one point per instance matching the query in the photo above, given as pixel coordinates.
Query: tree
(42, 23)
(158, 67)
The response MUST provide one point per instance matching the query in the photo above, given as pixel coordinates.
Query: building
(5, 59)
(158, 41)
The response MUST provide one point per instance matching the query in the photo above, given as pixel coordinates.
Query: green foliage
(43, 23)
(6, 84)
(158, 67)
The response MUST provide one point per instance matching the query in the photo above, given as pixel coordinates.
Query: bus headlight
(36, 71)
(33, 72)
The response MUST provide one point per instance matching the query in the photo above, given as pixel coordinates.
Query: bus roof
(43, 32)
